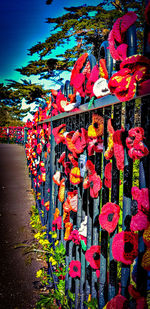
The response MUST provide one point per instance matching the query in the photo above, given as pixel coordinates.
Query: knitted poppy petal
(139, 222)
(92, 255)
(109, 216)
(75, 269)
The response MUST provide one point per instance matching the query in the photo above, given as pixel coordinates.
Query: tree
(11, 113)
(81, 29)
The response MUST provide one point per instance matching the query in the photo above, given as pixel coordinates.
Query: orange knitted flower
(75, 176)
(61, 192)
(97, 127)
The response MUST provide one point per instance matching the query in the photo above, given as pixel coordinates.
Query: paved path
(16, 275)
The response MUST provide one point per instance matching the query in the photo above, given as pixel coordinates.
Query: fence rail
(101, 282)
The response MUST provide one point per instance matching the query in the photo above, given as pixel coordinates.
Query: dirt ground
(17, 277)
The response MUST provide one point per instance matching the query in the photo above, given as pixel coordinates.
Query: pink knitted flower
(135, 144)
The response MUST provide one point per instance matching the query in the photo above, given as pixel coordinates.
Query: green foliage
(79, 30)
(93, 303)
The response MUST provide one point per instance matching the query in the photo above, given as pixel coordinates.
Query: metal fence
(102, 285)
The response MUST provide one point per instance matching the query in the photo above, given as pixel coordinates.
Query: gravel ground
(17, 276)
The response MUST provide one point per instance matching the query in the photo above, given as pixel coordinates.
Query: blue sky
(22, 24)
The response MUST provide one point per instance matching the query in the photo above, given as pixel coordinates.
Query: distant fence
(12, 135)
(103, 285)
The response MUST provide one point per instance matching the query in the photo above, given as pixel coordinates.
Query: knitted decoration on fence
(94, 75)
(107, 175)
(83, 228)
(92, 255)
(125, 247)
(57, 223)
(97, 127)
(75, 269)
(75, 176)
(92, 181)
(58, 133)
(146, 260)
(56, 178)
(39, 148)
(117, 35)
(95, 145)
(69, 228)
(140, 300)
(110, 148)
(61, 160)
(118, 302)
(72, 202)
(61, 192)
(100, 88)
(47, 205)
(119, 148)
(75, 237)
(72, 160)
(140, 209)
(135, 144)
(109, 216)
(146, 236)
(78, 75)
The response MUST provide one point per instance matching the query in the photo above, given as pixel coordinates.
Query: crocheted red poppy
(123, 85)
(109, 216)
(135, 144)
(75, 176)
(58, 133)
(94, 75)
(79, 139)
(61, 160)
(97, 127)
(57, 223)
(61, 101)
(69, 143)
(119, 148)
(107, 175)
(95, 145)
(77, 79)
(73, 161)
(140, 300)
(125, 247)
(118, 302)
(139, 220)
(117, 35)
(95, 185)
(75, 269)
(92, 255)
(75, 237)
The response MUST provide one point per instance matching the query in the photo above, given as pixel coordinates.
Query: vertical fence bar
(128, 165)
(115, 199)
(104, 235)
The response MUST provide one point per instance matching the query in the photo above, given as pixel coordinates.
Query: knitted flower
(72, 202)
(107, 175)
(75, 269)
(79, 139)
(119, 148)
(61, 160)
(110, 148)
(47, 205)
(75, 237)
(97, 127)
(56, 178)
(95, 145)
(61, 192)
(92, 181)
(118, 302)
(69, 228)
(92, 255)
(117, 36)
(139, 209)
(146, 260)
(75, 177)
(146, 236)
(58, 133)
(125, 247)
(135, 144)
(109, 216)
(57, 223)
(83, 228)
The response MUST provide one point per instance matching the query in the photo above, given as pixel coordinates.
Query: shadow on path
(16, 275)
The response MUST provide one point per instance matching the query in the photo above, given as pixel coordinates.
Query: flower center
(128, 247)
(75, 268)
(96, 256)
(91, 184)
(110, 217)
(95, 125)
